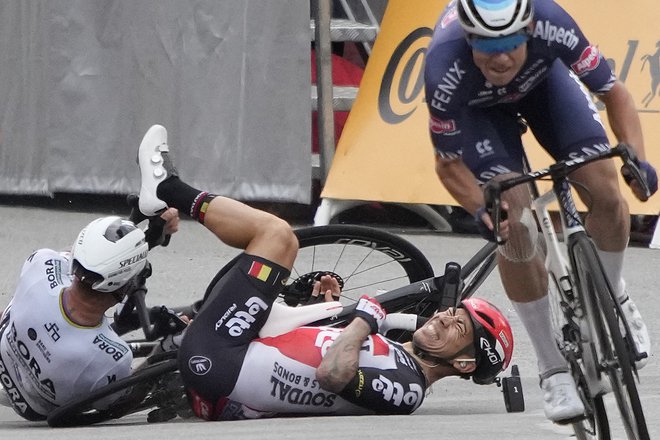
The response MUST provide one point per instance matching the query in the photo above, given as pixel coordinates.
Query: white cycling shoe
(638, 331)
(155, 166)
(562, 404)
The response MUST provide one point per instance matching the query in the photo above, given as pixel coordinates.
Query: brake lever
(493, 204)
(631, 164)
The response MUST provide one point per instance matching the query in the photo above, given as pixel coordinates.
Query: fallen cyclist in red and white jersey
(231, 372)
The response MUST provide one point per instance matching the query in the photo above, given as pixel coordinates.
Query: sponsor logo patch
(200, 365)
(494, 355)
(589, 60)
(243, 319)
(110, 347)
(439, 126)
(396, 393)
(547, 31)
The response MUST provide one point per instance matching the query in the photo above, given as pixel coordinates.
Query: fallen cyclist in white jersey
(56, 344)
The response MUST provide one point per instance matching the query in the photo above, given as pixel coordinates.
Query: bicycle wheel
(365, 261)
(611, 353)
(153, 386)
(565, 312)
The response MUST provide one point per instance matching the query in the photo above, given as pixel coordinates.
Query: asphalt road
(453, 409)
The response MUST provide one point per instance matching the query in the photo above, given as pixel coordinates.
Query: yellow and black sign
(385, 153)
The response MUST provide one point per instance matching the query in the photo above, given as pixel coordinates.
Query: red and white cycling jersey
(278, 377)
(46, 359)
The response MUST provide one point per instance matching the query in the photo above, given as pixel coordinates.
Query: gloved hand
(484, 230)
(651, 176)
(371, 311)
(326, 289)
(648, 172)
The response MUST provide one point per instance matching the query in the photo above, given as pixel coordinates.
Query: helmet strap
(427, 359)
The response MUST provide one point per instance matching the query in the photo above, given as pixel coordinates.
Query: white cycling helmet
(494, 18)
(108, 253)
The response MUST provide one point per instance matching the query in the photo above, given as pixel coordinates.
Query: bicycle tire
(81, 412)
(367, 260)
(418, 295)
(611, 348)
(565, 310)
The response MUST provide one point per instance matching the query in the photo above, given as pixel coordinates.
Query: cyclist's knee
(604, 202)
(278, 240)
(522, 245)
(598, 187)
(284, 235)
(611, 201)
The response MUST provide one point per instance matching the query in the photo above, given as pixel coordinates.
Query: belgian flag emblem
(259, 271)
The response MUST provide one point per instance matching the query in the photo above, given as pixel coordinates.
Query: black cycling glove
(371, 311)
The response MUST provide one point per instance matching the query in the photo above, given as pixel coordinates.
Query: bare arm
(340, 363)
(462, 185)
(460, 182)
(623, 118)
(625, 123)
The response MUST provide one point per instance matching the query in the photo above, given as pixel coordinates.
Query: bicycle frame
(589, 308)
(561, 192)
(555, 262)
(558, 268)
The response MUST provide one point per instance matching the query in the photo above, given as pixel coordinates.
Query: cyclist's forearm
(459, 181)
(623, 118)
(340, 363)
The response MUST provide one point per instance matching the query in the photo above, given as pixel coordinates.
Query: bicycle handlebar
(558, 171)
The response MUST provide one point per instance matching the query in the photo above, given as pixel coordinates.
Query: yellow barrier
(385, 153)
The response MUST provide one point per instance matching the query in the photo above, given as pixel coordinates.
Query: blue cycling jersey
(474, 119)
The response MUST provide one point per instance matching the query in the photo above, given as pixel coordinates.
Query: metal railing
(360, 25)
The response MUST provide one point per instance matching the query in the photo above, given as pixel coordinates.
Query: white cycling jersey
(45, 358)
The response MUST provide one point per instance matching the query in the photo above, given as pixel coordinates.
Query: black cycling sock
(184, 197)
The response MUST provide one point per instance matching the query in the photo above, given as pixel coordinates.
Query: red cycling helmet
(493, 339)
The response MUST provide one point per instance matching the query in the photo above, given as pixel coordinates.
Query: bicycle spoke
(365, 259)
(611, 361)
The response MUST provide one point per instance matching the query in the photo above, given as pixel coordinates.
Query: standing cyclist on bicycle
(489, 64)
(232, 373)
(55, 342)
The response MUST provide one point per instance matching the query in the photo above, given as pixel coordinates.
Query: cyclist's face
(501, 67)
(445, 334)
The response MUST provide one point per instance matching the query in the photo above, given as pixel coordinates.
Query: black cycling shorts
(237, 306)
